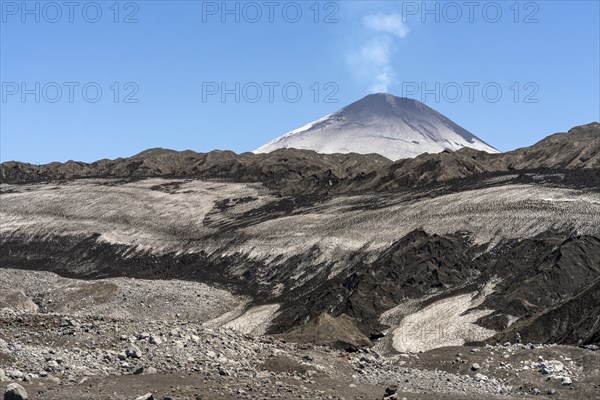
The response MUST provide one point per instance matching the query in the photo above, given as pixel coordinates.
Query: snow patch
(447, 322)
(255, 321)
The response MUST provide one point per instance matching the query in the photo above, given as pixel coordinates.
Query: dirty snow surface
(184, 216)
(274, 245)
(446, 322)
(255, 321)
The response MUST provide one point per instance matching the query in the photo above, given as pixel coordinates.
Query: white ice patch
(511, 320)
(188, 219)
(255, 321)
(443, 323)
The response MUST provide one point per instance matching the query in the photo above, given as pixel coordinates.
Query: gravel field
(56, 354)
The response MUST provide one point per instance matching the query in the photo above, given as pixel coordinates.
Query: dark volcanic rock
(573, 321)
(292, 171)
(550, 282)
(531, 282)
(289, 171)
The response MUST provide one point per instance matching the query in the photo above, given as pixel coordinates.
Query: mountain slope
(361, 255)
(513, 237)
(383, 124)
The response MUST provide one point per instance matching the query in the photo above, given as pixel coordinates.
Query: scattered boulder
(73, 323)
(147, 396)
(390, 393)
(550, 367)
(137, 370)
(154, 340)
(475, 367)
(133, 352)
(345, 346)
(14, 391)
(15, 374)
(51, 366)
(480, 377)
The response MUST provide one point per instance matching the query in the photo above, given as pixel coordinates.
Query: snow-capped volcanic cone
(394, 127)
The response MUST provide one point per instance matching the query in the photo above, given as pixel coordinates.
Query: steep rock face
(558, 269)
(574, 321)
(577, 149)
(542, 279)
(382, 124)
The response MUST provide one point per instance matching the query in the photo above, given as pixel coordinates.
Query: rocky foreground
(56, 356)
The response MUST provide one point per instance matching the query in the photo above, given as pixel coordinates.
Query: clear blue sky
(169, 57)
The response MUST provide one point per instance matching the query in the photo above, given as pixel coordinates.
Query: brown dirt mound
(17, 300)
(339, 332)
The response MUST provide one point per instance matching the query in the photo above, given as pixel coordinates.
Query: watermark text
(69, 92)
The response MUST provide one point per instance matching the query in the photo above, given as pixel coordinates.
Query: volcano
(394, 127)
